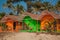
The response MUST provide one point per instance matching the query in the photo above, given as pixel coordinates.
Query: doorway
(14, 25)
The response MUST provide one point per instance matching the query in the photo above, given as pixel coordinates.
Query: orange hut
(12, 22)
(50, 20)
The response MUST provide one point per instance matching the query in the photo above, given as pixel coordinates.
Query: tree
(18, 8)
(37, 5)
(11, 13)
(12, 1)
(31, 4)
(58, 5)
(46, 5)
(2, 14)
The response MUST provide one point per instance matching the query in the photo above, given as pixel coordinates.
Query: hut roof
(33, 16)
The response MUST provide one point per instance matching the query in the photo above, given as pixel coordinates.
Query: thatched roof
(56, 16)
(12, 17)
(33, 16)
(42, 14)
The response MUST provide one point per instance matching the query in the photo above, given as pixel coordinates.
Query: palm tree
(32, 4)
(8, 4)
(58, 6)
(18, 8)
(46, 5)
(36, 7)
(29, 4)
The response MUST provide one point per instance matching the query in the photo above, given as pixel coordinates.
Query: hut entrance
(14, 25)
(47, 26)
(48, 23)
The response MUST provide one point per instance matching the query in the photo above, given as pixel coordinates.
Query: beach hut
(14, 23)
(50, 21)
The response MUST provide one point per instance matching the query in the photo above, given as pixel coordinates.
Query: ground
(28, 36)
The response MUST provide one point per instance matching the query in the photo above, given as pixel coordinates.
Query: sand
(28, 36)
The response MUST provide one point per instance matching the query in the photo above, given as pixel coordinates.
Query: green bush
(31, 23)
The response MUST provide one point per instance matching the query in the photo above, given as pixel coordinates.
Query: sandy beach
(28, 36)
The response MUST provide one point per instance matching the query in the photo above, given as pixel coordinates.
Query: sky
(7, 10)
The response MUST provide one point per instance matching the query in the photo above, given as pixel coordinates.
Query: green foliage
(58, 4)
(36, 4)
(2, 15)
(12, 1)
(34, 25)
(4, 26)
